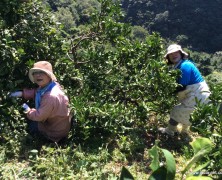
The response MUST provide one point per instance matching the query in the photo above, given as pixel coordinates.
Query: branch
(90, 35)
(82, 38)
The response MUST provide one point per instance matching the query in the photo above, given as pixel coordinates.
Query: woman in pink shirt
(51, 115)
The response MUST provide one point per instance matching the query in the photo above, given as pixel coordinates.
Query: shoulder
(187, 64)
(56, 90)
(57, 95)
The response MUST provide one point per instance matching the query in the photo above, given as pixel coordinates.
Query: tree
(64, 16)
(124, 80)
(172, 18)
(28, 34)
(139, 33)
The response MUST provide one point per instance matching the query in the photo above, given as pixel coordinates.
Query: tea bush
(28, 34)
(206, 120)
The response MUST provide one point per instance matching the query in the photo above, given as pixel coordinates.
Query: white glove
(26, 108)
(16, 94)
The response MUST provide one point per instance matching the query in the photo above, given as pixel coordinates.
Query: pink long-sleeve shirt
(53, 115)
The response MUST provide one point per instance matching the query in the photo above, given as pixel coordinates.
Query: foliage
(206, 120)
(204, 62)
(124, 80)
(215, 77)
(71, 12)
(64, 16)
(191, 23)
(139, 33)
(24, 40)
(216, 61)
(53, 162)
(28, 37)
(116, 82)
(201, 147)
(115, 77)
(125, 174)
(163, 164)
(166, 171)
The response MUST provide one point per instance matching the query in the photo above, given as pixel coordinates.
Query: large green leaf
(165, 172)
(170, 164)
(159, 174)
(198, 168)
(125, 174)
(153, 152)
(201, 147)
(201, 144)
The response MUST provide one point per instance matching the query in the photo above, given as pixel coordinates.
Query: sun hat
(44, 66)
(174, 48)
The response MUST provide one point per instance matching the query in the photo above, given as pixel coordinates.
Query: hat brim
(50, 74)
(172, 51)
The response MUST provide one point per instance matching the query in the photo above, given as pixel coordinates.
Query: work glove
(16, 94)
(26, 108)
(183, 94)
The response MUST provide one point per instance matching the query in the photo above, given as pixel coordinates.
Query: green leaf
(125, 174)
(201, 146)
(170, 164)
(197, 169)
(153, 152)
(160, 173)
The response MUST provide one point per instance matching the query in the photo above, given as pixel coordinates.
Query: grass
(94, 159)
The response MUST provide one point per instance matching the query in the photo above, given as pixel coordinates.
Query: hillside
(120, 92)
(193, 23)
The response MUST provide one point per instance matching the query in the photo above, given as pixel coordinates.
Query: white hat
(174, 48)
(42, 66)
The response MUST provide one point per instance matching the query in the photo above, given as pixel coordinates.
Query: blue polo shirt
(189, 73)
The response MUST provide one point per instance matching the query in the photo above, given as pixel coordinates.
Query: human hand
(16, 94)
(181, 95)
(26, 108)
(184, 94)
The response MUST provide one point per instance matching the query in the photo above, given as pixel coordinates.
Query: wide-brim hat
(174, 48)
(42, 66)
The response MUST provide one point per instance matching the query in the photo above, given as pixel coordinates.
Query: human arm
(29, 93)
(16, 94)
(184, 80)
(25, 93)
(180, 88)
(189, 74)
(185, 76)
(183, 94)
(48, 103)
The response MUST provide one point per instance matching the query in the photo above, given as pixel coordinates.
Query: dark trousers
(33, 127)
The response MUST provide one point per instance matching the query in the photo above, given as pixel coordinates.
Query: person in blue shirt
(192, 89)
